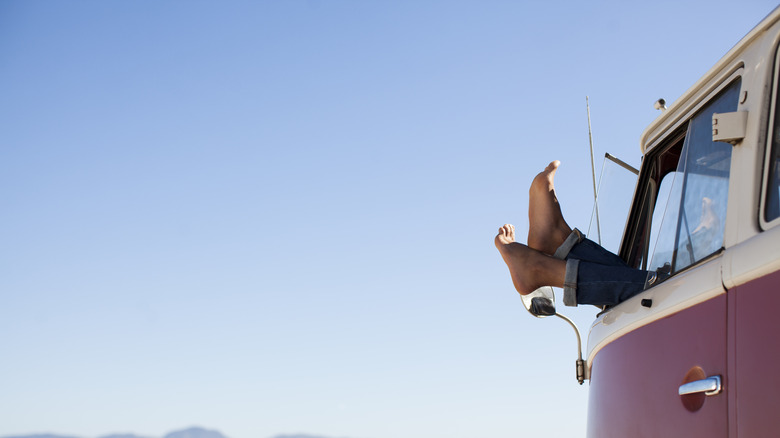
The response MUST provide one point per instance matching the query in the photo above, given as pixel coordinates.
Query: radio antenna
(593, 172)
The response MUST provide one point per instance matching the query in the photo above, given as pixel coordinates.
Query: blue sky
(277, 217)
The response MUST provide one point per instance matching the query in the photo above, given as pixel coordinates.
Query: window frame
(674, 133)
(768, 146)
(647, 190)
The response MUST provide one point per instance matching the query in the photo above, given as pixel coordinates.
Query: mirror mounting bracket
(541, 303)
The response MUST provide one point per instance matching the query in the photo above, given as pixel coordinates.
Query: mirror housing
(540, 303)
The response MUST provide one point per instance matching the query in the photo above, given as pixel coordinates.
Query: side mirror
(541, 302)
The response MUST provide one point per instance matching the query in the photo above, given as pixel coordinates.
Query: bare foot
(547, 229)
(529, 268)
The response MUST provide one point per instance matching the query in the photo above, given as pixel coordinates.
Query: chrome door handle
(709, 386)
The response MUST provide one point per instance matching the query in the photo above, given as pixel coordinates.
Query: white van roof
(677, 109)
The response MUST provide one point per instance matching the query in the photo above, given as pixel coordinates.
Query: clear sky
(277, 216)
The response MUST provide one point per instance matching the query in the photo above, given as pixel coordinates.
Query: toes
(507, 232)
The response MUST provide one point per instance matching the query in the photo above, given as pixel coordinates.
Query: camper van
(698, 354)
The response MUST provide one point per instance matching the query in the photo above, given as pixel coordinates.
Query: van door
(674, 333)
(752, 274)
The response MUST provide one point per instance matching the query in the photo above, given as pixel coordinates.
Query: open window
(680, 208)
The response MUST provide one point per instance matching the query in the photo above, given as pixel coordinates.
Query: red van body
(696, 355)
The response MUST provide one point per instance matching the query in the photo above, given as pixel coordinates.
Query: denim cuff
(570, 282)
(574, 238)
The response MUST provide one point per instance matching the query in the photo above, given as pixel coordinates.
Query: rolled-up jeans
(596, 276)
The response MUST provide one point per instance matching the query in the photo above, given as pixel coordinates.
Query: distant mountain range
(192, 432)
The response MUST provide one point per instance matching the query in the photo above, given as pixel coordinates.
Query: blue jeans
(596, 276)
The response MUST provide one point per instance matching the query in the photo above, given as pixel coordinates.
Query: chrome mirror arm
(541, 303)
(582, 373)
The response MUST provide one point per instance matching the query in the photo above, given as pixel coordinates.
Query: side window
(772, 210)
(694, 216)
(772, 199)
(683, 206)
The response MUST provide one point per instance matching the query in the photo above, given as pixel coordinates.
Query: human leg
(579, 247)
(602, 285)
(597, 276)
(547, 228)
(548, 231)
(583, 281)
(605, 278)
